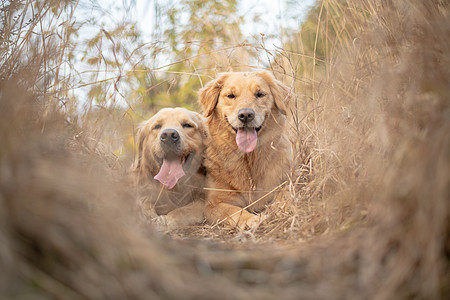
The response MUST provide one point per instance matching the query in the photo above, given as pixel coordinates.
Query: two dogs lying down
(220, 166)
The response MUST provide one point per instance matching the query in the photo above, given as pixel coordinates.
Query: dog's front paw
(253, 221)
(249, 221)
(159, 221)
(164, 222)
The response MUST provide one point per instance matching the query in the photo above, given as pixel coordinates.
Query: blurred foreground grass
(367, 215)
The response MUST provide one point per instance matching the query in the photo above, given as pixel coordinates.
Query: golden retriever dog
(248, 153)
(168, 168)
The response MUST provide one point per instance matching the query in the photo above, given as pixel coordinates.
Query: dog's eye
(187, 125)
(157, 126)
(260, 95)
(231, 96)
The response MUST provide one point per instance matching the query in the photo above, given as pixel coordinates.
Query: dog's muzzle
(169, 136)
(246, 115)
(170, 142)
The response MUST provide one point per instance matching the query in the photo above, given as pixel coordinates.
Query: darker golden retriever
(248, 153)
(168, 168)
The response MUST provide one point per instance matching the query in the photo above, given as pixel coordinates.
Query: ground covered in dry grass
(366, 216)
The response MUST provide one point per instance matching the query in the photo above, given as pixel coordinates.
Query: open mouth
(257, 128)
(172, 168)
(185, 159)
(246, 137)
(243, 126)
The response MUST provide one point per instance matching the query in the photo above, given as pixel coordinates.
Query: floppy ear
(142, 135)
(202, 127)
(209, 94)
(280, 92)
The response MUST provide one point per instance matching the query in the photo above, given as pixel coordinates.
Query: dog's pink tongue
(246, 139)
(170, 172)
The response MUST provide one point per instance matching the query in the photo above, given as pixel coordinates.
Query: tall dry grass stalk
(366, 213)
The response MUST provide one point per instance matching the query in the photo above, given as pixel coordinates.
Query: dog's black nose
(169, 135)
(246, 115)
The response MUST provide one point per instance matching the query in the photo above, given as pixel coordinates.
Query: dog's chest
(259, 171)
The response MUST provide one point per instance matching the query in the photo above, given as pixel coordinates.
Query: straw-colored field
(366, 214)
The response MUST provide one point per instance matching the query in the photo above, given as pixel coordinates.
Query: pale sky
(272, 14)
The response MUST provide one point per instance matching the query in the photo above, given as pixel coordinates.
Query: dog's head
(169, 144)
(246, 101)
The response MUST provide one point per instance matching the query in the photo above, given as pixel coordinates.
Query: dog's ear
(138, 157)
(280, 92)
(137, 168)
(201, 123)
(209, 94)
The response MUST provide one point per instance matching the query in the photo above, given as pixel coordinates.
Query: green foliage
(196, 29)
(208, 25)
(111, 53)
(109, 64)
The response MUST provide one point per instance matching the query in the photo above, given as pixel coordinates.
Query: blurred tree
(198, 34)
(110, 54)
(199, 26)
(196, 38)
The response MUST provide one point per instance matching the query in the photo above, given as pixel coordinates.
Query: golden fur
(235, 178)
(183, 204)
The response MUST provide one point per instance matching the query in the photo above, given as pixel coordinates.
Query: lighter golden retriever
(168, 168)
(248, 153)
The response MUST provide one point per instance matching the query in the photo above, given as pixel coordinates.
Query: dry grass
(365, 214)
